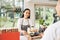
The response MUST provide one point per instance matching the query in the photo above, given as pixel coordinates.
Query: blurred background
(42, 12)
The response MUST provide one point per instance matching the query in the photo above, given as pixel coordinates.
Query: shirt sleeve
(19, 24)
(49, 34)
(58, 33)
(31, 22)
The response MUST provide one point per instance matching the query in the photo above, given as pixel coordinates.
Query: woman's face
(58, 8)
(26, 13)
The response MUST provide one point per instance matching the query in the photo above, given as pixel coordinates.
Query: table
(34, 37)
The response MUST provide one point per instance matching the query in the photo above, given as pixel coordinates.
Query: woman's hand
(0, 32)
(41, 34)
(24, 32)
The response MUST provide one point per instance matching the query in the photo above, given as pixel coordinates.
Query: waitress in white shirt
(53, 31)
(24, 23)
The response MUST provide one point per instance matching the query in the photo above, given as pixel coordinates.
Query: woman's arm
(31, 22)
(19, 24)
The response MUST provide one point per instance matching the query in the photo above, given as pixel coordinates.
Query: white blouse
(25, 22)
(52, 32)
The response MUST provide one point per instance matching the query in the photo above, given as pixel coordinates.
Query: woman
(53, 31)
(24, 23)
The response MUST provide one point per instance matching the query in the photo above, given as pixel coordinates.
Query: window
(44, 15)
(10, 11)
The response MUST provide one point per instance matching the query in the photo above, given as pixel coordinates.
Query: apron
(25, 27)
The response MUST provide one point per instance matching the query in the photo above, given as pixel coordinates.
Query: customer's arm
(49, 34)
(58, 33)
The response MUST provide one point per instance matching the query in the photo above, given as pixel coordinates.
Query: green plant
(41, 21)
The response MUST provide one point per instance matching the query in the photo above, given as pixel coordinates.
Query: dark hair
(24, 11)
